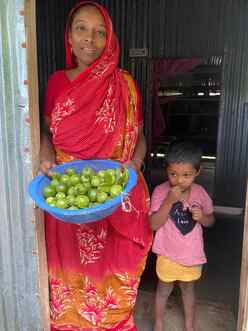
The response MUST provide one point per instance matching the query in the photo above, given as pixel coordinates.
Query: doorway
(34, 124)
(185, 105)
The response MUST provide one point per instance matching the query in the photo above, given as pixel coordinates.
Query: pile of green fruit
(71, 190)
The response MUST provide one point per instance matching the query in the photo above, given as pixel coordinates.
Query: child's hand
(174, 194)
(197, 213)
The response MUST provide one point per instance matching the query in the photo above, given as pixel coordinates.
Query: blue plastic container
(85, 215)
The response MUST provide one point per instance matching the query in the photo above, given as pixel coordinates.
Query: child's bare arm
(204, 219)
(160, 217)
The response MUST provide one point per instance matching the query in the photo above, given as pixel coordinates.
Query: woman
(93, 111)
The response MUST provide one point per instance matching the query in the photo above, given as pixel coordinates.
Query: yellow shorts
(170, 271)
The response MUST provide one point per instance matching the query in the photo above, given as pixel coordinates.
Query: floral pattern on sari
(61, 110)
(126, 144)
(90, 244)
(130, 287)
(60, 298)
(93, 305)
(107, 113)
(100, 68)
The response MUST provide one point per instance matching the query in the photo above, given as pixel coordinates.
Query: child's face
(182, 175)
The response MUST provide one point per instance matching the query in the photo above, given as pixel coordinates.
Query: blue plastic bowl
(85, 215)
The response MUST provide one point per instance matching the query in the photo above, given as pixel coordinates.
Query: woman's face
(87, 35)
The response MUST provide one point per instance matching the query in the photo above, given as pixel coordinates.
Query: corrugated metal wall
(19, 283)
(232, 153)
(173, 28)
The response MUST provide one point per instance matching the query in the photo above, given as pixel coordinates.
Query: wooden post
(243, 291)
(31, 42)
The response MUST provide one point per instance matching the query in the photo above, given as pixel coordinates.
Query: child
(179, 209)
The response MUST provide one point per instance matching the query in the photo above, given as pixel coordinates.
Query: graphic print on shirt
(182, 218)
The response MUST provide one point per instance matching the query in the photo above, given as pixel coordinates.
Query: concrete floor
(209, 316)
(218, 290)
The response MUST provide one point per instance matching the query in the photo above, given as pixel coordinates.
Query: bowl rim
(41, 203)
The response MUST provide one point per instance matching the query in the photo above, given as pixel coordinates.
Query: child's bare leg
(188, 297)
(162, 295)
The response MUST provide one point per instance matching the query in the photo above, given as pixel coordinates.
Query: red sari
(95, 269)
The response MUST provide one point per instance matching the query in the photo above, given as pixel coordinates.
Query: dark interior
(186, 106)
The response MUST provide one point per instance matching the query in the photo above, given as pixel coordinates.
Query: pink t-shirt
(186, 249)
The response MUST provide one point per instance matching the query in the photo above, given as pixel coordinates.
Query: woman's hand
(45, 166)
(47, 153)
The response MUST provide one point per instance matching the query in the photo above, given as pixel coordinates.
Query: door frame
(33, 94)
(242, 324)
(33, 90)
